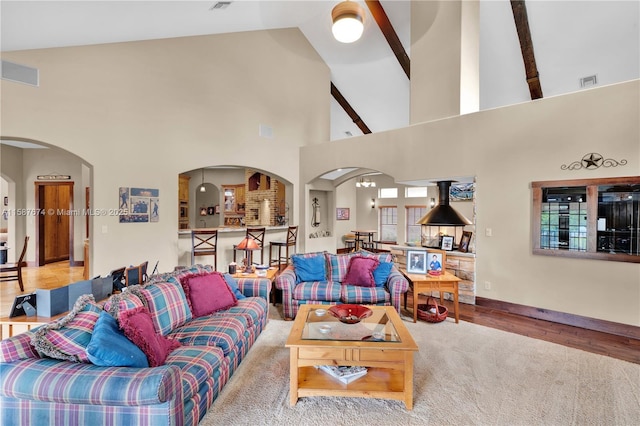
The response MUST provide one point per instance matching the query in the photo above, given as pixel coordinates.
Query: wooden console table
(421, 283)
(9, 327)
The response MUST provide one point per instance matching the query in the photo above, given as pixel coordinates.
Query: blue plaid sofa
(39, 390)
(331, 289)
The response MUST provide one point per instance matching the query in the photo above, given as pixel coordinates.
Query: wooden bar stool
(258, 235)
(204, 242)
(292, 237)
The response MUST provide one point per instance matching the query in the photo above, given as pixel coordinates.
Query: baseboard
(77, 263)
(594, 324)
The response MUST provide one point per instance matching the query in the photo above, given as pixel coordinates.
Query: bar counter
(227, 237)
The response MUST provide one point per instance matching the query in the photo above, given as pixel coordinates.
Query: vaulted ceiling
(527, 49)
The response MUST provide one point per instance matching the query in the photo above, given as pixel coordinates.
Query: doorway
(54, 231)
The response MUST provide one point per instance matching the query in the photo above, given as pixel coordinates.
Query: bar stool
(292, 237)
(258, 235)
(204, 243)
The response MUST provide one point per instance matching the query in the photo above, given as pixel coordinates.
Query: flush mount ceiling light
(348, 21)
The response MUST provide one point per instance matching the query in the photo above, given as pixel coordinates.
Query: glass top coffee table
(381, 343)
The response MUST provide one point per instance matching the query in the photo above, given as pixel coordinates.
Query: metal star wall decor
(592, 161)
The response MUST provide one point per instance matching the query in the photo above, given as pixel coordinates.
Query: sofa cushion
(197, 365)
(109, 347)
(320, 291)
(139, 328)
(233, 285)
(67, 338)
(222, 331)
(127, 300)
(167, 305)
(360, 272)
(309, 267)
(364, 295)
(252, 308)
(382, 257)
(381, 273)
(208, 293)
(338, 265)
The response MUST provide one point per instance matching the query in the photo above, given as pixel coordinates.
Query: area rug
(465, 374)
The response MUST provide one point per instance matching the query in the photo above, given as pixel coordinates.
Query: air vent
(589, 81)
(19, 73)
(220, 5)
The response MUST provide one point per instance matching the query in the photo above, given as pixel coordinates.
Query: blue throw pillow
(309, 268)
(381, 273)
(109, 347)
(233, 285)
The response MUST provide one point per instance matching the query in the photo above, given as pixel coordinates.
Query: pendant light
(202, 188)
(348, 21)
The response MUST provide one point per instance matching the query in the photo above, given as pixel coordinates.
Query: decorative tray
(350, 314)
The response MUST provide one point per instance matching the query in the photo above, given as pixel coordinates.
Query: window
(414, 231)
(415, 192)
(389, 224)
(588, 218)
(388, 193)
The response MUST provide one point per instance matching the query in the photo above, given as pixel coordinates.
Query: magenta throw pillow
(209, 293)
(360, 272)
(138, 327)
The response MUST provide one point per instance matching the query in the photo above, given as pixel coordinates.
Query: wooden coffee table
(389, 362)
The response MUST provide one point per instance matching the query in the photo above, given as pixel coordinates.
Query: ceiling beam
(526, 46)
(348, 109)
(390, 34)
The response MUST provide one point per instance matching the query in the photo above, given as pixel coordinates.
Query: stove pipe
(443, 214)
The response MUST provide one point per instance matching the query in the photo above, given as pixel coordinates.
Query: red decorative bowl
(350, 314)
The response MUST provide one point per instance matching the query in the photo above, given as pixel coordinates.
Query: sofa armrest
(57, 381)
(286, 281)
(255, 287)
(397, 285)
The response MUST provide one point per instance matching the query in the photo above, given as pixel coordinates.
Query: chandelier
(365, 183)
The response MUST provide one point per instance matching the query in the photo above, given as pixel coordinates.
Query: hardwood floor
(58, 274)
(52, 275)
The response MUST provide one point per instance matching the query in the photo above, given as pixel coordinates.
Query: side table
(421, 283)
(272, 273)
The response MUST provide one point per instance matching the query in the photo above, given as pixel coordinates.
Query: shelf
(378, 383)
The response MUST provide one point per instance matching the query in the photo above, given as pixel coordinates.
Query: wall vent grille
(20, 73)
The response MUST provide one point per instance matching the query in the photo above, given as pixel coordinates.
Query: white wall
(140, 113)
(506, 149)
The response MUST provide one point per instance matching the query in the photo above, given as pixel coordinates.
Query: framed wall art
(342, 213)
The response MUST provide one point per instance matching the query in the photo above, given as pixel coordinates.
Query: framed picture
(416, 262)
(24, 304)
(462, 191)
(203, 211)
(464, 241)
(447, 243)
(6, 201)
(210, 210)
(436, 260)
(342, 213)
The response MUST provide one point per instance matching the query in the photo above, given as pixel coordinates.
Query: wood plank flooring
(58, 274)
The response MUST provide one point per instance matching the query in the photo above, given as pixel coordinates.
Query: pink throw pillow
(209, 293)
(138, 327)
(360, 272)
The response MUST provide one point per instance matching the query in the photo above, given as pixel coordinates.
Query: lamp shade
(348, 21)
(248, 243)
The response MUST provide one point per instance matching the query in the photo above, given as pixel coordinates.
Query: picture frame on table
(465, 240)
(342, 213)
(436, 262)
(416, 261)
(447, 243)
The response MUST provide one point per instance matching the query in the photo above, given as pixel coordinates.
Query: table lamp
(248, 244)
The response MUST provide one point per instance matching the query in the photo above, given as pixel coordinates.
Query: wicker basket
(439, 315)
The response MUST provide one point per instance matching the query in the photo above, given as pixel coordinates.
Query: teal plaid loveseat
(37, 389)
(331, 288)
